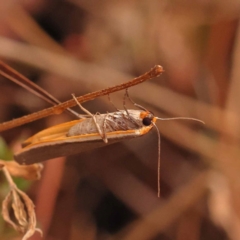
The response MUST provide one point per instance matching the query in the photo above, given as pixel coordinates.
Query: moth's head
(147, 118)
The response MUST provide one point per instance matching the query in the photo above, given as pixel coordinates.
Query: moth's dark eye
(147, 121)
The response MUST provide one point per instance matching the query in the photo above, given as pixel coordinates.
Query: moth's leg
(123, 115)
(124, 105)
(103, 131)
(109, 99)
(93, 117)
(135, 104)
(105, 127)
(125, 108)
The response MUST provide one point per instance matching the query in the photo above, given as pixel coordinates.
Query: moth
(91, 131)
(87, 133)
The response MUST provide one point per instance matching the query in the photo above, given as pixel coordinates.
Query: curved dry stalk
(22, 207)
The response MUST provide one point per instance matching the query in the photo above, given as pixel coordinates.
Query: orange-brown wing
(53, 142)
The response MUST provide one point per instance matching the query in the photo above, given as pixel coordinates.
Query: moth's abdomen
(118, 121)
(84, 127)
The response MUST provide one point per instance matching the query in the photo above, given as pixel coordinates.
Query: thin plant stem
(154, 72)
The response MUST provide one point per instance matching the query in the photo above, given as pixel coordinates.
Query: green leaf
(5, 152)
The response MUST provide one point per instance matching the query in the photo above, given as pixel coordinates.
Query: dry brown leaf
(28, 172)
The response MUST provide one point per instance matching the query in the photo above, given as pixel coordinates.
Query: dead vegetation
(111, 193)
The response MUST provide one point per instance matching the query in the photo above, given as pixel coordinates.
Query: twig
(154, 72)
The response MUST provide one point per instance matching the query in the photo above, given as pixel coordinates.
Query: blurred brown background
(79, 46)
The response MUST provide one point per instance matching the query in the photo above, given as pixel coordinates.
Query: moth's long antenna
(159, 140)
(181, 118)
(159, 157)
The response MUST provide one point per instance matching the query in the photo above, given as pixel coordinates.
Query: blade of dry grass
(28, 30)
(162, 217)
(228, 194)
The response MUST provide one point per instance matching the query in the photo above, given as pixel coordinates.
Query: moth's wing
(47, 150)
(64, 146)
(57, 131)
